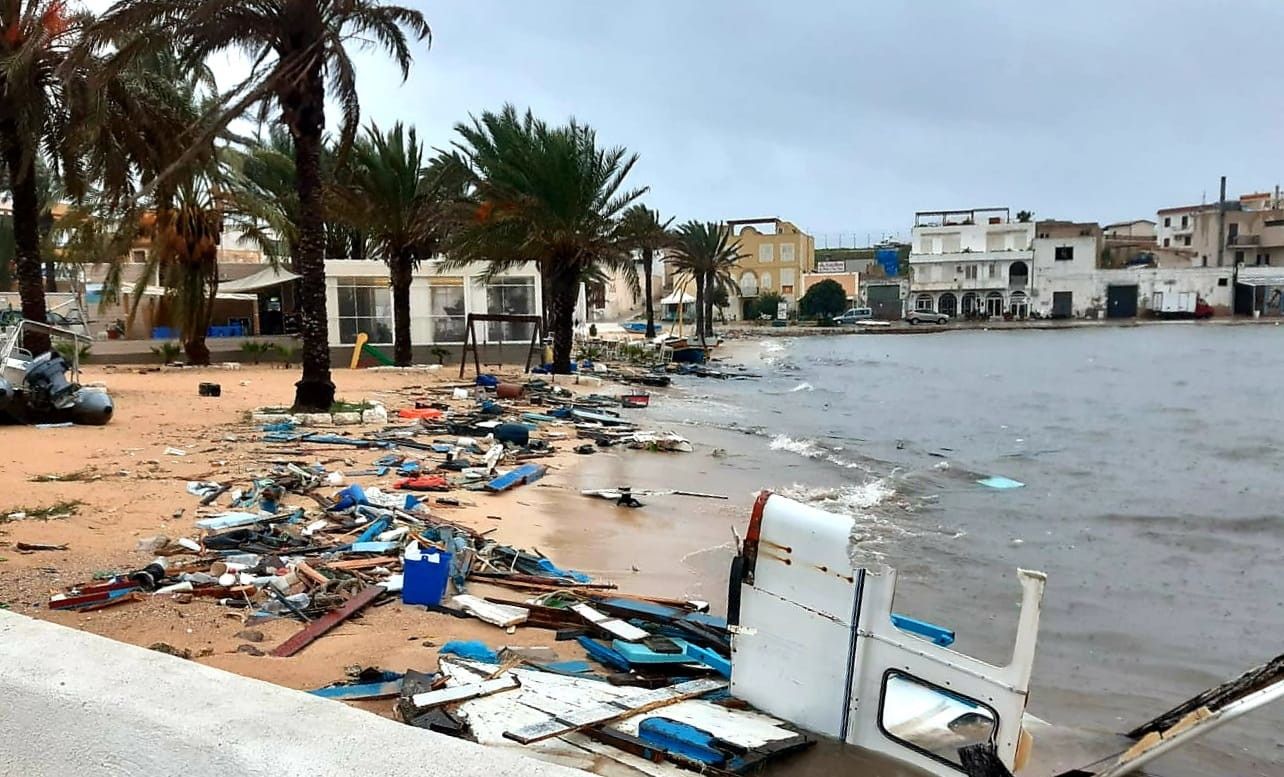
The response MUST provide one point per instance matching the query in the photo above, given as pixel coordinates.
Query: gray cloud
(850, 116)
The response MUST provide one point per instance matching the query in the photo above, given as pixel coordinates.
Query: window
(748, 284)
(970, 271)
(1223, 282)
(513, 296)
(786, 276)
(766, 252)
(923, 302)
(1183, 221)
(1186, 240)
(1165, 242)
(993, 270)
(365, 305)
(765, 281)
(1205, 260)
(1063, 254)
(138, 255)
(1168, 222)
(446, 310)
(786, 254)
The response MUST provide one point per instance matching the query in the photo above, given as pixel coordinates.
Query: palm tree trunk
(708, 305)
(563, 292)
(194, 345)
(315, 391)
(26, 237)
(650, 305)
(699, 306)
(402, 273)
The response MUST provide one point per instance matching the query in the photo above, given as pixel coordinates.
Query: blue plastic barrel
(426, 579)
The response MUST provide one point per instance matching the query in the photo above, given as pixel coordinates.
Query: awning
(159, 291)
(1261, 280)
(673, 298)
(263, 279)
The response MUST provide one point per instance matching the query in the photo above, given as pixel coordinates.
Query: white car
(854, 315)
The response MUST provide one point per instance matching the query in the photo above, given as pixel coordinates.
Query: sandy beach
(124, 487)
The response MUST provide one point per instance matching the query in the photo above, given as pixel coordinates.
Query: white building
(359, 299)
(1175, 227)
(1065, 268)
(971, 263)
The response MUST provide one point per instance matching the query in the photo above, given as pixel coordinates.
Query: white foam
(804, 386)
(808, 448)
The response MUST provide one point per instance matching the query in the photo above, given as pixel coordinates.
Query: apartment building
(774, 255)
(971, 263)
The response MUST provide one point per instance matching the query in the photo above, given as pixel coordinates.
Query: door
(1121, 301)
(1062, 304)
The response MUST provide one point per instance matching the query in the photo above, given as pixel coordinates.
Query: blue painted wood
(638, 653)
(603, 654)
(527, 473)
(709, 658)
(938, 635)
(359, 691)
(684, 741)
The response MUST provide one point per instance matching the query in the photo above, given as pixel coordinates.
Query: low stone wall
(76, 703)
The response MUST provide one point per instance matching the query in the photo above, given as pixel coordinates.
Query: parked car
(926, 317)
(853, 315)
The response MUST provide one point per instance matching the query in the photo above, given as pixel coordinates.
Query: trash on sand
(370, 684)
(501, 615)
(31, 547)
(523, 475)
(175, 452)
(470, 649)
(320, 626)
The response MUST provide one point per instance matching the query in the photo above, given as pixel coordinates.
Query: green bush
(768, 302)
(67, 349)
(255, 350)
(167, 351)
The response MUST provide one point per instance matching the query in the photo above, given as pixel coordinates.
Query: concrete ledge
(76, 703)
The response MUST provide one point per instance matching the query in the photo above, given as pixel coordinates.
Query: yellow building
(774, 256)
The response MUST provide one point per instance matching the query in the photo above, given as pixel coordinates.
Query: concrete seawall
(76, 703)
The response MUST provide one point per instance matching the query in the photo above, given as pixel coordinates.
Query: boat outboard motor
(46, 383)
(7, 394)
(92, 408)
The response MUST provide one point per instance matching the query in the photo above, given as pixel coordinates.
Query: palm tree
(382, 195)
(647, 234)
(706, 252)
(298, 47)
(547, 195)
(38, 36)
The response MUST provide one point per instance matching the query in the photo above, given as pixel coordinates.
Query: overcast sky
(846, 117)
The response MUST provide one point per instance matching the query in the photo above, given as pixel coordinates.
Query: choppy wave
(814, 450)
(804, 386)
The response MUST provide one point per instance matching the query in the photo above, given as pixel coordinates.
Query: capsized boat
(35, 389)
(815, 642)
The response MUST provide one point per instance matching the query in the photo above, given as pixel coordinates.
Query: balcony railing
(1243, 240)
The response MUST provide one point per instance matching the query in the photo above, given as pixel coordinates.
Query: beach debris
(501, 615)
(1000, 482)
(519, 476)
(625, 496)
(249, 635)
(171, 451)
(364, 598)
(32, 547)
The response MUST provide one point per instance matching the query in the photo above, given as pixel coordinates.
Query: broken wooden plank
(613, 626)
(501, 615)
(1215, 698)
(31, 547)
(619, 708)
(321, 625)
(362, 563)
(455, 693)
(305, 570)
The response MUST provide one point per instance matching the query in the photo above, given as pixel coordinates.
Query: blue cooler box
(426, 579)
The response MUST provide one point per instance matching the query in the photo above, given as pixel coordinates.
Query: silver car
(926, 317)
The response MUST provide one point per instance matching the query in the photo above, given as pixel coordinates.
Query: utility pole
(1221, 225)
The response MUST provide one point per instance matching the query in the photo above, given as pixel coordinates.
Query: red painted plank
(321, 625)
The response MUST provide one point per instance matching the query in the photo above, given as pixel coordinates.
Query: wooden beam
(464, 692)
(320, 626)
